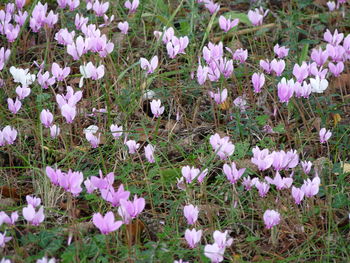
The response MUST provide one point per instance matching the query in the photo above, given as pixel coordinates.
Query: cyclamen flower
(280, 51)
(102, 182)
(318, 85)
(44, 79)
(149, 153)
(156, 109)
(90, 71)
(123, 27)
(78, 48)
(279, 182)
(258, 81)
(191, 214)
(93, 139)
(319, 56)
(311, 187)
(248, 183)
(298, 195)
(301, 72)
(54, 131)
(219, 97)
(8, 135)
(20, 4)
(4, 56)
(59, 73)
(133, 146)
(214, 253)
(227, 24)
(324, 135)
(336, 69)
(73, 4)
(232, 173)
(334, 39)
(278, 66)
(256, 17)
(241, 55)
(32, 200)
(285, 90)
(221, 239)
(113, 196)
(71, 181)
(22, 76)
(177, 46)
(4, 239)
(100, 8)
(21, 17)
(211, 6)
(46, 260)
(129, 210)
(116, 131)
(189, 173)
(265, 65)
(106, 224)
(223, 147)
(33, 217)
(80, 21)
(262, 187)
(271, 218)
(331, 5)
(9, 220)
(14, 106)
(193, 237)
(149, 66)
(132, 6)
(202, 73)
(46, 118)
(262, 158)
(306, 166)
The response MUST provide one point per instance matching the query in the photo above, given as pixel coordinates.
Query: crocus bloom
(271, 218)
(258, 81)
(223, 147)
(131, 209)
(214, 253)
(46, 118)
(280, 51)
(156, 109)
(232, 173)
(191, 214)
(59, 73)
(123, 27)
(149, 153)
(132, 6)
(32, 200)
(106, 224)
(133, 146)
(116, 131)
(10, 220)
(311, 187)
(219, 97)
(33, 217)
(149, 66)
(9, 134)
(318, 85)
(193, 237)
(22, 92)
(256, 17)
(221, 239)
(100, 8)
(54, 131)
(306, 166)
(278, 66)
(14, 106)
(324, 135)
(297, 194)
(4, 239)
(227, 24)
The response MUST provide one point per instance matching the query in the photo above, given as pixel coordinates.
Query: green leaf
(340, 200)
(279, 128)
(261, 120)
(304, 53)
(252, 239)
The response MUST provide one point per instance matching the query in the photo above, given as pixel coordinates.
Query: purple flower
(33, 217)
(202, 73)
(256, 17)
(22, 92)
(123, 27)
(324, 135)
(100, 8)
(219, 97)
(113, 196)
(46, 118)
(222, 146)
(189, 173)
(262, 158)
(4, 218)
(336, 69)
(271, 218)
(59, 73)
(298, 195)
(156, 108)
(241, 55)
(106, 224)
(262, 187)
(54, 131)
(306, 166)
(71, 181)
(285, 90)
(4, 239)
(214, 253)
(334, 39)
(227, 24)
(301, 72)
(191, 214)
(116, 130)
(221, 239)
(311, 187)
(14, 106)
(211, 6)
(133, 146)
(149, 66)
(258, 81)
(319, 56)
(279, 182)
(193, 237)
(149, 153)
(278, 66)
(32, 200)
(9, 134)
(232, 173)
(132, 6)
(131, 209)
(280, 51)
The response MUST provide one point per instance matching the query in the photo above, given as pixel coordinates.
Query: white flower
(318, 85)
(22, 76)
(91, 129)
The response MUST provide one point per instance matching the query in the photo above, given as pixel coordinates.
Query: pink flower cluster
(174, 45)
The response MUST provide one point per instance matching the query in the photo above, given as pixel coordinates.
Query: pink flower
(133, 146)
(68, 112)
(213, 52)
(4, 239)
(32, 200)
(59, 73)
(279, 182)
(51, 19)
(9, 134)
(214, 253)
(271, 218)
(301, 72)
(21, 17)
(258, 81)
(336, 69)
(262, 187)
(334, 39)
(73, 4)
(221, 239)
(4, 218)
(211, 6)
(177, 46)
(116, 131)
(44, 79)
(306, 166)
(302, 90)
(54, 131)
(53, 175)
(219, 97)
(132, 6)
(123, 27)
(80, 21)
(285, 90)
(78, 48)
(149, 153)
(262, 158)
(232, 173)
(336, 53)
(100, 8)
(14, 106)
(113, 196)
(280, 51)
(202, 73)
(256, 17)
(11, 32)
(311, 188)
(193, 237)
(248, 183)
(297, 194)
(324, 135)
(62, 3)
(265, 65)
(278, 66)
(71, 181)
(102, 182)
(223, 147)
(33, 217)
(46, 118)
(227, 24)
(319, 56)
(241, 55)
(189, 173)
(149, 66)
(37, 21)
(20, 3)
(106, 224)
(168, 35)
(131, 209)
(156, 109)
(4, 56)
(22, 92)
(191, 214)
(331, 5)
(93, 139)
(202, 175)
